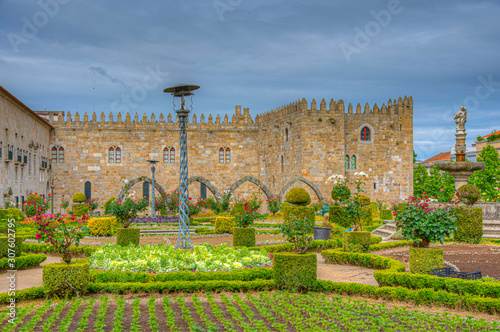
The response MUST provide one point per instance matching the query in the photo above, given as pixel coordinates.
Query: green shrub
(224, 225)
(356, 241)
(451, 196)
(238, 207)
(17, 214)
(4, 246)
(340, 193)
(102, 226)
(107, 205)
(386, 214)
(468, 194)
(338, 215)
(366, 216)
(423, 260)
(126, 236)
(79, 198)
(80, 209)
(370, 261)
(373, 206)
(24, 261)
(469, 224)
(401, 207)
(298, 196)
(300, 212)
(364, 200)
(283, 205)
(63, 280)
(295, 272)
(46, 248)
(243, 237)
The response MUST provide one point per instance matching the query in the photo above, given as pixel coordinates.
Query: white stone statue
(460, 119)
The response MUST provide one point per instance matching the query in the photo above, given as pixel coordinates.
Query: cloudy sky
(258, 54)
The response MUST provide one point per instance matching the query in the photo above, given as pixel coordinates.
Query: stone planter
(423, 260)
(322, 233)
(243, 237)
(63, 280)
(126, 236)
(295, 272)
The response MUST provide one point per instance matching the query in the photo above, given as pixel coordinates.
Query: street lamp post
(153, 169)
(183, 90)
(52, 195)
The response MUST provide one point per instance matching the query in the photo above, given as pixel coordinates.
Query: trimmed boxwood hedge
(356, 241)
(4, 245)
(295, 272)
(243, 237)
(126, 236)
(45, 248)
(338, 215)
(63, 280)
(386, 214)
(300, 212)
(24, 261)
(423, 260)
(366, 216)
(469, 224)
(224, 225)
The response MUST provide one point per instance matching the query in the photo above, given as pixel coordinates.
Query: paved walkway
(338, 273)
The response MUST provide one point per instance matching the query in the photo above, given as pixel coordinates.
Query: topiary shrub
(356, 241)
(79, 198)
(283, 205)
(366, 215)
(423, 260)
(107, 205)
(364, 200)
(126, 236)
(298, 196)
(300, 212)
(4, 246)
(468, 194)
(243, 237)
(386, 214)
(102, 226)
(224, 225)
(238, 207)
(451, 197)
(340, 193)
(469, 224)
(80, 209)
(61, 280)
(338, 215)
(374, 207)
(296, 272)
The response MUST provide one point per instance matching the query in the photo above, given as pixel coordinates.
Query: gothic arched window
(118, 156)
(346, 162)
(54, 155)
(282, 164)
(88, 190)
(60, 159)
(365, 134)
(165, 155)
(353, 162)
(111, 155)
(228, 156)
(224, 155)
(172, 155)
(221, 155)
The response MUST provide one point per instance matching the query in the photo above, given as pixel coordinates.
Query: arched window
(353, 162)
(282, 164)
(346, 162)
(286, 134)
(165, 155)
(145, 190)
(88, 190)
(224, 155)
(111, 155)
(54, 155)
(118, 156)
(61, 155)
(172, 155)
(221, 155)
(365, 134)
(228, 156)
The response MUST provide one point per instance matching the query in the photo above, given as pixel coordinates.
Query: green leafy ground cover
(265, 311)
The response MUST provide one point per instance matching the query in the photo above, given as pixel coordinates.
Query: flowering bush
(55, 229)
(161, 258)
(35, 204)
(255, 202)
(354, 205)
(64, 203)
(423, 224)
(295, 231)
(340, 191)
(273, 204)
(245, 218)
(92, 204)
(125, 211)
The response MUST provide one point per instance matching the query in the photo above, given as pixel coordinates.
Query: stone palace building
(298, 144)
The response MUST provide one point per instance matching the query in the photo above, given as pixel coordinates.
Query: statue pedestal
(461, 171)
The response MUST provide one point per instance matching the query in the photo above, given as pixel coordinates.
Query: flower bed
(161, 258)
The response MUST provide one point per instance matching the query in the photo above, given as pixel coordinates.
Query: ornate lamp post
(153, 169)
(181, 91)
(52, 195)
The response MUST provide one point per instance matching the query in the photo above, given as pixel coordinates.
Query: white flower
(125, 181)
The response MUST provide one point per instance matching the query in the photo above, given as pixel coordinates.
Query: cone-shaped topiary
(79, 198)
(298, 196)
(468, 194)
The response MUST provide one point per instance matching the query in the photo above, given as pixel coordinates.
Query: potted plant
(424, 225)
(125, 212)
(469, 221)
(296, 270)
(69, 277)
(243, 235)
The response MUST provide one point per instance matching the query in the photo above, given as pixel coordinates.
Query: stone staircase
(491, 229)
(386, 231)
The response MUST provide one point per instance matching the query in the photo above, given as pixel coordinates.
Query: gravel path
(26, 278)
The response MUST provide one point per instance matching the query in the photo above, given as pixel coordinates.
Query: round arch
(309, 183)
(255, 181)
(131, 183)
(207, 183)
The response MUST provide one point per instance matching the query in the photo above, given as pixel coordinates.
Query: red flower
(38, 236)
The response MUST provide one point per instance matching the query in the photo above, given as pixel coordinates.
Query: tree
(436, 184)
(488, 179)
(420, 178)
(414, 157)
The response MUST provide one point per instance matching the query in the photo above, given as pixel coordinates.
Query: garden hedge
(224, 225)
(102, 226)
(126, 236)
(45, 248)
(24, 261)
(371, 261)
(423, 260)
(63, 280)
(356, 241)
(243, 237)
(300, 212)
(386, 214)
(338, 215)
(366, 216)
(16, 214)
(5, 245)
(295, 272)
(469, 224)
